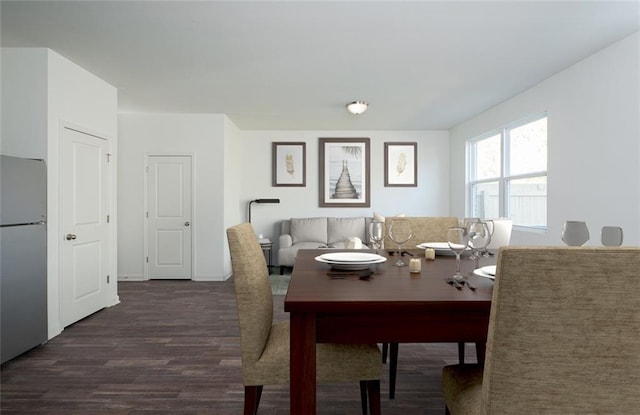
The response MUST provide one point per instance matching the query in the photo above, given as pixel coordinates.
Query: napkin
(354, 243)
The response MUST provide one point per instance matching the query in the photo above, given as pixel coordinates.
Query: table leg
(481, 349)
(303, 363)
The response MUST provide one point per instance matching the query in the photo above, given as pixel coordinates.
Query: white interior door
(84, 225)
(169, 217)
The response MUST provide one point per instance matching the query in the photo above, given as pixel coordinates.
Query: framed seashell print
(289, 164)
(344, 172)
(400, 164)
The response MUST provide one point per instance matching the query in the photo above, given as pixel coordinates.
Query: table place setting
(488, 271)
(350, 261)
(440, 248)
(474, 236)
(341, 275)
(460, 284)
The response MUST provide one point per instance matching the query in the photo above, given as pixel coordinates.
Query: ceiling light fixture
(357, 107)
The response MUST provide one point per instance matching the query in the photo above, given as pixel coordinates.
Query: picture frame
(289, 164)
(344, 165)
(401, 164)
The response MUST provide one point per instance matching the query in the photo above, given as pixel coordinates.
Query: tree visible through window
(507, 173)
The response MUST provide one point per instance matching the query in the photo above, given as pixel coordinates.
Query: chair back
(423, 229)
(564, 332)
(253, 291)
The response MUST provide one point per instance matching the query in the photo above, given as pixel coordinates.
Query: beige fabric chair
(424, 229)
(564, 336)
(265, 345)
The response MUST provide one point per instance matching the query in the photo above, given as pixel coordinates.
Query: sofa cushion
(341, 229)
(309, 230)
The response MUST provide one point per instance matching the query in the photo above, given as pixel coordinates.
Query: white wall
(430, 198)
(234, 170)
(593, 144)
(200, 135)
(42, 91)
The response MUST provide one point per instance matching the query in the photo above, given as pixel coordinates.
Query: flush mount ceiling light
(357, 107)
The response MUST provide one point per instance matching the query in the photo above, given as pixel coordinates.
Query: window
(507, 171)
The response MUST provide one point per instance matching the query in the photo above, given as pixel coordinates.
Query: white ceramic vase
(575, 233)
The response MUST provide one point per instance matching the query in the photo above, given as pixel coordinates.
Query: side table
(267, 248)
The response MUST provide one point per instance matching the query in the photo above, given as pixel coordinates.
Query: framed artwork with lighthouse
(345, 172)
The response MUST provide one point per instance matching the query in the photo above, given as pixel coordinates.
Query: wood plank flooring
(172, 347)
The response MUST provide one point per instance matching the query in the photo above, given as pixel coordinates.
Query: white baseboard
(131, 278)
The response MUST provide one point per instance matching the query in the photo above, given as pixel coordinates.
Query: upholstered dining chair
(424, 229)
(265, 345)
(564, 335)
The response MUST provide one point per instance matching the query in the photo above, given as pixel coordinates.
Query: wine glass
(458, 238)
(465, 222)
(376, 233)
(491, 227)
(478, 238)
(400, 232)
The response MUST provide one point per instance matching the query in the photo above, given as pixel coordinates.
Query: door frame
(111, 298)
(147, 156)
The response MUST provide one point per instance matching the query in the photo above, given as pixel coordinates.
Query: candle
(430, 254)
(414, 265)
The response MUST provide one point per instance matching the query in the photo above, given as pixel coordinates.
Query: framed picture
(400, 164)
(289, 164)
(344, 172)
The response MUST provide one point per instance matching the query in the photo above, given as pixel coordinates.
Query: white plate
(441, 248)
(348, 257)
(351, 266)
(435, 245)
(487, 272)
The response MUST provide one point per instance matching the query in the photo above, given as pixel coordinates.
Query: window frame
(503, 180)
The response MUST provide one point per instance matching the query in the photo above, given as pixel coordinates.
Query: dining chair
(563, 336)
(265, 345)
(424, 229)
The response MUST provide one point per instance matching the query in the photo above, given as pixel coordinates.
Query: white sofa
(319, 232)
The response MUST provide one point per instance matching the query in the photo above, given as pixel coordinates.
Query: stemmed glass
(376, 233)
(478, 238)
(458, 238)
(400, 232)
(491, 227)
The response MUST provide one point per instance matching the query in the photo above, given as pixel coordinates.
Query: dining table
(392, 305)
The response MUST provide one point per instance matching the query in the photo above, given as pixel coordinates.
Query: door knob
(187, 224)
(70, 237)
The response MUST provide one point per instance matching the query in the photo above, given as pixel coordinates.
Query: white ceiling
(294, 65)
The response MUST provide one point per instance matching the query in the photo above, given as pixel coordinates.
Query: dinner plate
(488, 272)
(348, 257)
(441, 248)
(351, 265)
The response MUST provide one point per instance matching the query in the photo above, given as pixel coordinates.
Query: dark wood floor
(172, 347)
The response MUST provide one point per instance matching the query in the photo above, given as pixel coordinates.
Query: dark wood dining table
(392, 305)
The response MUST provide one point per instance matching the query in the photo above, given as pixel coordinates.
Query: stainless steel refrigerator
(23, 255)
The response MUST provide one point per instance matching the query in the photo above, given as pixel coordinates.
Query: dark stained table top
(390, 288)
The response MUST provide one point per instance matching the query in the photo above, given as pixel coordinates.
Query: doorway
(169, 217)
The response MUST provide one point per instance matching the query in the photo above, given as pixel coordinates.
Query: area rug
(279, 283)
